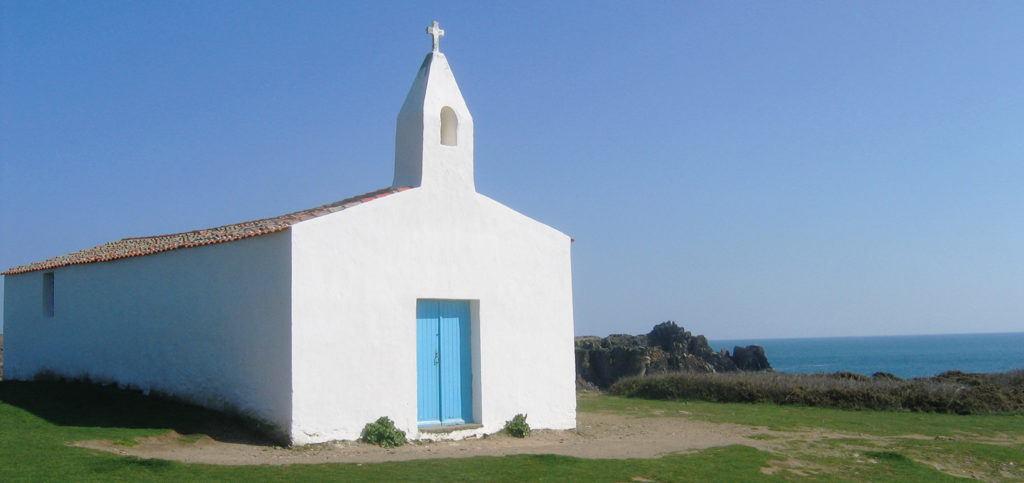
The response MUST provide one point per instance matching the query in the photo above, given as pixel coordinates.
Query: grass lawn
(784, 418)
(37, 419)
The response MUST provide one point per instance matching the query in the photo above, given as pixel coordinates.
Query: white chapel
(425, 301)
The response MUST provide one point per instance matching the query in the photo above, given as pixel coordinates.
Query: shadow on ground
(73, 403)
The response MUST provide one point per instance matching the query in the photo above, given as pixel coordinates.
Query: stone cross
(437, 33)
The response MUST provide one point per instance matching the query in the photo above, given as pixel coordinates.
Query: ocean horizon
(905, 356)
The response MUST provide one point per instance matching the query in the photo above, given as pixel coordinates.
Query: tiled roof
(134, 247)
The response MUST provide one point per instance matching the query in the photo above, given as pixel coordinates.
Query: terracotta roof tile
(138, 246)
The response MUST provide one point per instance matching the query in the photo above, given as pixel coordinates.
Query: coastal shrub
(849, 375)
(383, 433)
(517, 426)
(950, 392)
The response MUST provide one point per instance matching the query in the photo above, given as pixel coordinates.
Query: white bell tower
(434, 137)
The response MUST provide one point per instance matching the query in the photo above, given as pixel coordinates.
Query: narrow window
(449, 126)
(48, 294)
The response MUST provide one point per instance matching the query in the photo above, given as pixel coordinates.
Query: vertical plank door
(444, 362)
(428, 364)
(456, 363)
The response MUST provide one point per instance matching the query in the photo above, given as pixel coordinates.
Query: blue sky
(747, 169)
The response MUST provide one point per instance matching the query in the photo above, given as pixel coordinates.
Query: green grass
(37, 419)
(787, 418)
(979, 446)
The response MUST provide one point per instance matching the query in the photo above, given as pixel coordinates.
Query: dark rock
(623, 340)
(722, 361)
(750, 358)
(628, 361)
(667, 348)
(666, 335)
(658, 362)
(603, 361)
(692, 363)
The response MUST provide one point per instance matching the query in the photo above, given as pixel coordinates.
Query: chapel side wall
(209, 324)
(357, 275)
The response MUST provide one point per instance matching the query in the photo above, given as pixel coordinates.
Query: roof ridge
(147, 245)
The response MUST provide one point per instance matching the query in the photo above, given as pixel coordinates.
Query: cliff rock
(666, 348)
(750, 358)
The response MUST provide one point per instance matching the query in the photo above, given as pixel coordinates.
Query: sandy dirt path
(598, 435)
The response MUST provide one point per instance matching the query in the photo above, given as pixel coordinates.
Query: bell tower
(434, 135)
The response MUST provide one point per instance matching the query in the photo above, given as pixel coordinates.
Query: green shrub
(517, 426)
(853, 376)
(383, 433)
(950, 392)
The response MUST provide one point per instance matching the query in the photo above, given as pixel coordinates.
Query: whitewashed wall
(210, 324)
(357, 275)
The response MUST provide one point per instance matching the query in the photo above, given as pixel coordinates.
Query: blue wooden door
(428, 358)
(444, 362)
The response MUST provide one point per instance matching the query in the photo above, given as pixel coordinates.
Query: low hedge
(950, 392)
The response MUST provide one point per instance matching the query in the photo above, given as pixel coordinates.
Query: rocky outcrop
(602, 361)
(750, 358)
(667, 348)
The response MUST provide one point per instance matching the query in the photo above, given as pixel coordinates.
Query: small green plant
(517, 426)
(383, 433)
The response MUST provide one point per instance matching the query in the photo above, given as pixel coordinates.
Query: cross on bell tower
(437, 33)
(434, 134)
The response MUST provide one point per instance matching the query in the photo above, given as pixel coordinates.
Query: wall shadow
(75, 403)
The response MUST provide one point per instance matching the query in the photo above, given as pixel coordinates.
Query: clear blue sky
(747, 169)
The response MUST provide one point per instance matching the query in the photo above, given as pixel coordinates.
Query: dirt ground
(598, 435)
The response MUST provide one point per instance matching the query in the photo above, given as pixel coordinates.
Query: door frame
(473, 345)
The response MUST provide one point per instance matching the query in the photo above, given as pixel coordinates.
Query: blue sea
(905, 356)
